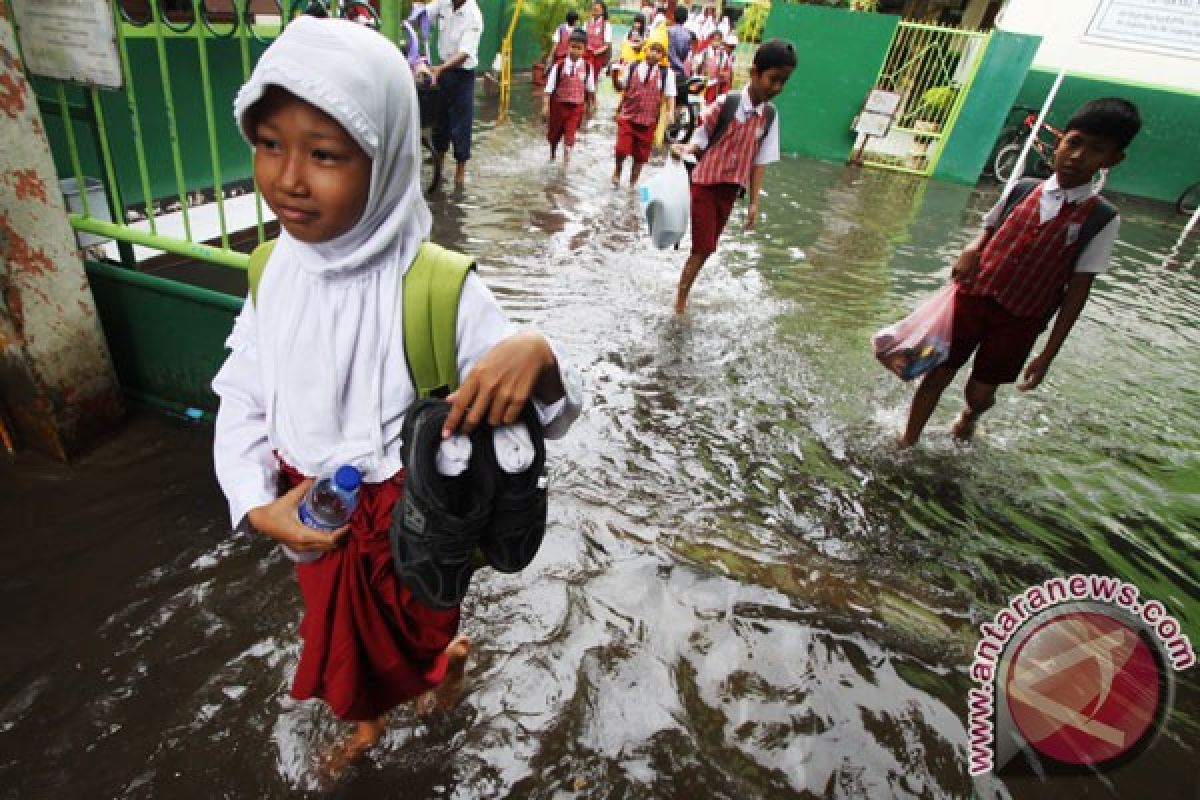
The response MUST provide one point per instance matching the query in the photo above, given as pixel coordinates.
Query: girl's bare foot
(449, 692)
(349, 750)
(964, 427)
(616, 181)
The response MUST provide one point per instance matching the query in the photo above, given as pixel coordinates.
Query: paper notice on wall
(72, 40)
(1163, 25)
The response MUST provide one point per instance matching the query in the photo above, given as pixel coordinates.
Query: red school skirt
(369, 645)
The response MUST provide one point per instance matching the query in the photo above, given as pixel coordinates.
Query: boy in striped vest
(1040, 249)
(570, 91)
(648, 86)
(733, 155)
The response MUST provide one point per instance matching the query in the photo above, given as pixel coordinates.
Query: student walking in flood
(459, 26)
(737, 137)
(599, 38)
(570, 93)
(649, 88)
(318, 376)
(1040, 250)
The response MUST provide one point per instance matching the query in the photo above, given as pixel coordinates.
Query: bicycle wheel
(1005, 163)
(431, 173)
(1007, 136)
(1189, 200)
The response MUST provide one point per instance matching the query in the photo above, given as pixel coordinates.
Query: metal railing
(183, 58)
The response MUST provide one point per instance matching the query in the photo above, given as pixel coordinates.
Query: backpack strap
(1101, 214)
(258, 262)
(430, 290)
(432, 287)
(1020, 191)
(729, 110)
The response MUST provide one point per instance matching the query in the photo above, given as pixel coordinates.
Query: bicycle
(1189, 200)
(1004, 163)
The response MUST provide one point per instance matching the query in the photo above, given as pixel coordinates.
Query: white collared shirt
(1094, 258)
(459, 30)
(568, 67)
(768, 148)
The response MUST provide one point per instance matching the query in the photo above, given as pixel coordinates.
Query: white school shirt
(243, 454)
(568, 67)
(768, 148)
(459, 30)
(1094, 258)
(643, 71)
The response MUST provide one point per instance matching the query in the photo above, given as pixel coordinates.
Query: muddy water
(745, 591)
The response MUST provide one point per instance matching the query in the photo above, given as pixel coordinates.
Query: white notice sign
(1168, 25)
(72, 40)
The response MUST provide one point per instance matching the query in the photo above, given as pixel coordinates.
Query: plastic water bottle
(327, 505)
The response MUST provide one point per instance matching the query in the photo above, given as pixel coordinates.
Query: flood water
(746, 591)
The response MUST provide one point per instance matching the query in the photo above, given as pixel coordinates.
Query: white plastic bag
(666, 199)
(920, 341)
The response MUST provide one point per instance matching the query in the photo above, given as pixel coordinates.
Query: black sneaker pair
(441, 521)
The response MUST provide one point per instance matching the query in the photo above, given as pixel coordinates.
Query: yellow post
(506, 63)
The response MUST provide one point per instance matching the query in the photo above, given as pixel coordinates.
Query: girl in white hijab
(317, 378)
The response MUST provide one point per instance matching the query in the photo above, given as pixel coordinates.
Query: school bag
(431, 289)
(1102, 213)
(728, 111)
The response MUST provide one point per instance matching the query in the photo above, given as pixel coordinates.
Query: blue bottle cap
(347, 478)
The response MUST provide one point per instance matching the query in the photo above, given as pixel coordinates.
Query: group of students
(316, 377)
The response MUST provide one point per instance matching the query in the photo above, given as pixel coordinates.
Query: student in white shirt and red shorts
(570, 92)
(736, 160)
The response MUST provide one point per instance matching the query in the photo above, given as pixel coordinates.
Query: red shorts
(563, 122)
(598, 62)
(1003, 340)
(634, 140)
(711, 207)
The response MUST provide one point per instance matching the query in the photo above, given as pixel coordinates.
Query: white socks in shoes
(512, 443)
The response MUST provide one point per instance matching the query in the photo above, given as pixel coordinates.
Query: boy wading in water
(1040, 249)
(649, 87)
(570, 93)
(749, 140)
(317, 376)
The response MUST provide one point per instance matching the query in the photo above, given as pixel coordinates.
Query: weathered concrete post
(57, 384)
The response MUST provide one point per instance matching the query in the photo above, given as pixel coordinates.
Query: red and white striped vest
(1027, 263)
(733, 156)
(595, 33)
(564, 42)
(642, 98)
(714, 63)
(571, 88)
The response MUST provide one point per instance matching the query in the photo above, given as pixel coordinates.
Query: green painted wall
(1162, 161)
(997, 81)
(839, 54)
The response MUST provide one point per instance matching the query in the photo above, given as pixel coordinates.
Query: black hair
(1111, 118)
(638, 18)
(603, 8)
(572, 17)
(681, 15)
(775, 53)
(578, 35)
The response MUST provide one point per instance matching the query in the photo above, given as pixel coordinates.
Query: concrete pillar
(57, 385)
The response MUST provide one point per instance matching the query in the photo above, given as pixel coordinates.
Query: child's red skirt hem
(369, 645)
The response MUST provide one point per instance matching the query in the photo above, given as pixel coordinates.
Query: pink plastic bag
(920, 341)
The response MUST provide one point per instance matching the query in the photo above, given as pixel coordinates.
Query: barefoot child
(1040, 249)
(649, 86)
(570, 93)
(317, 376)
(739, 156)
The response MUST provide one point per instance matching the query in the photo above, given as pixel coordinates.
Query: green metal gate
(926, 76)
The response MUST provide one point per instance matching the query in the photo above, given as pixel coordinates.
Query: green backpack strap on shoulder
(432, 287)
(431, 290)
(258, 262)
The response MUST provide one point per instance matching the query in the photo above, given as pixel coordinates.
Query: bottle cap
(347, 478)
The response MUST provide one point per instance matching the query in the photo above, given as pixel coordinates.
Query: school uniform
(317, 376)
(570, 83)
(713, 65)
(637, 115)
(1023, 271)
(599, 38)
(459, 31)
(724, 169)
(562, 43)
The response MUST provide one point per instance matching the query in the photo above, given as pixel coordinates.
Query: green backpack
(431, 289)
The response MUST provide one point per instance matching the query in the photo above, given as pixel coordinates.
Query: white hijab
(327, 312)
